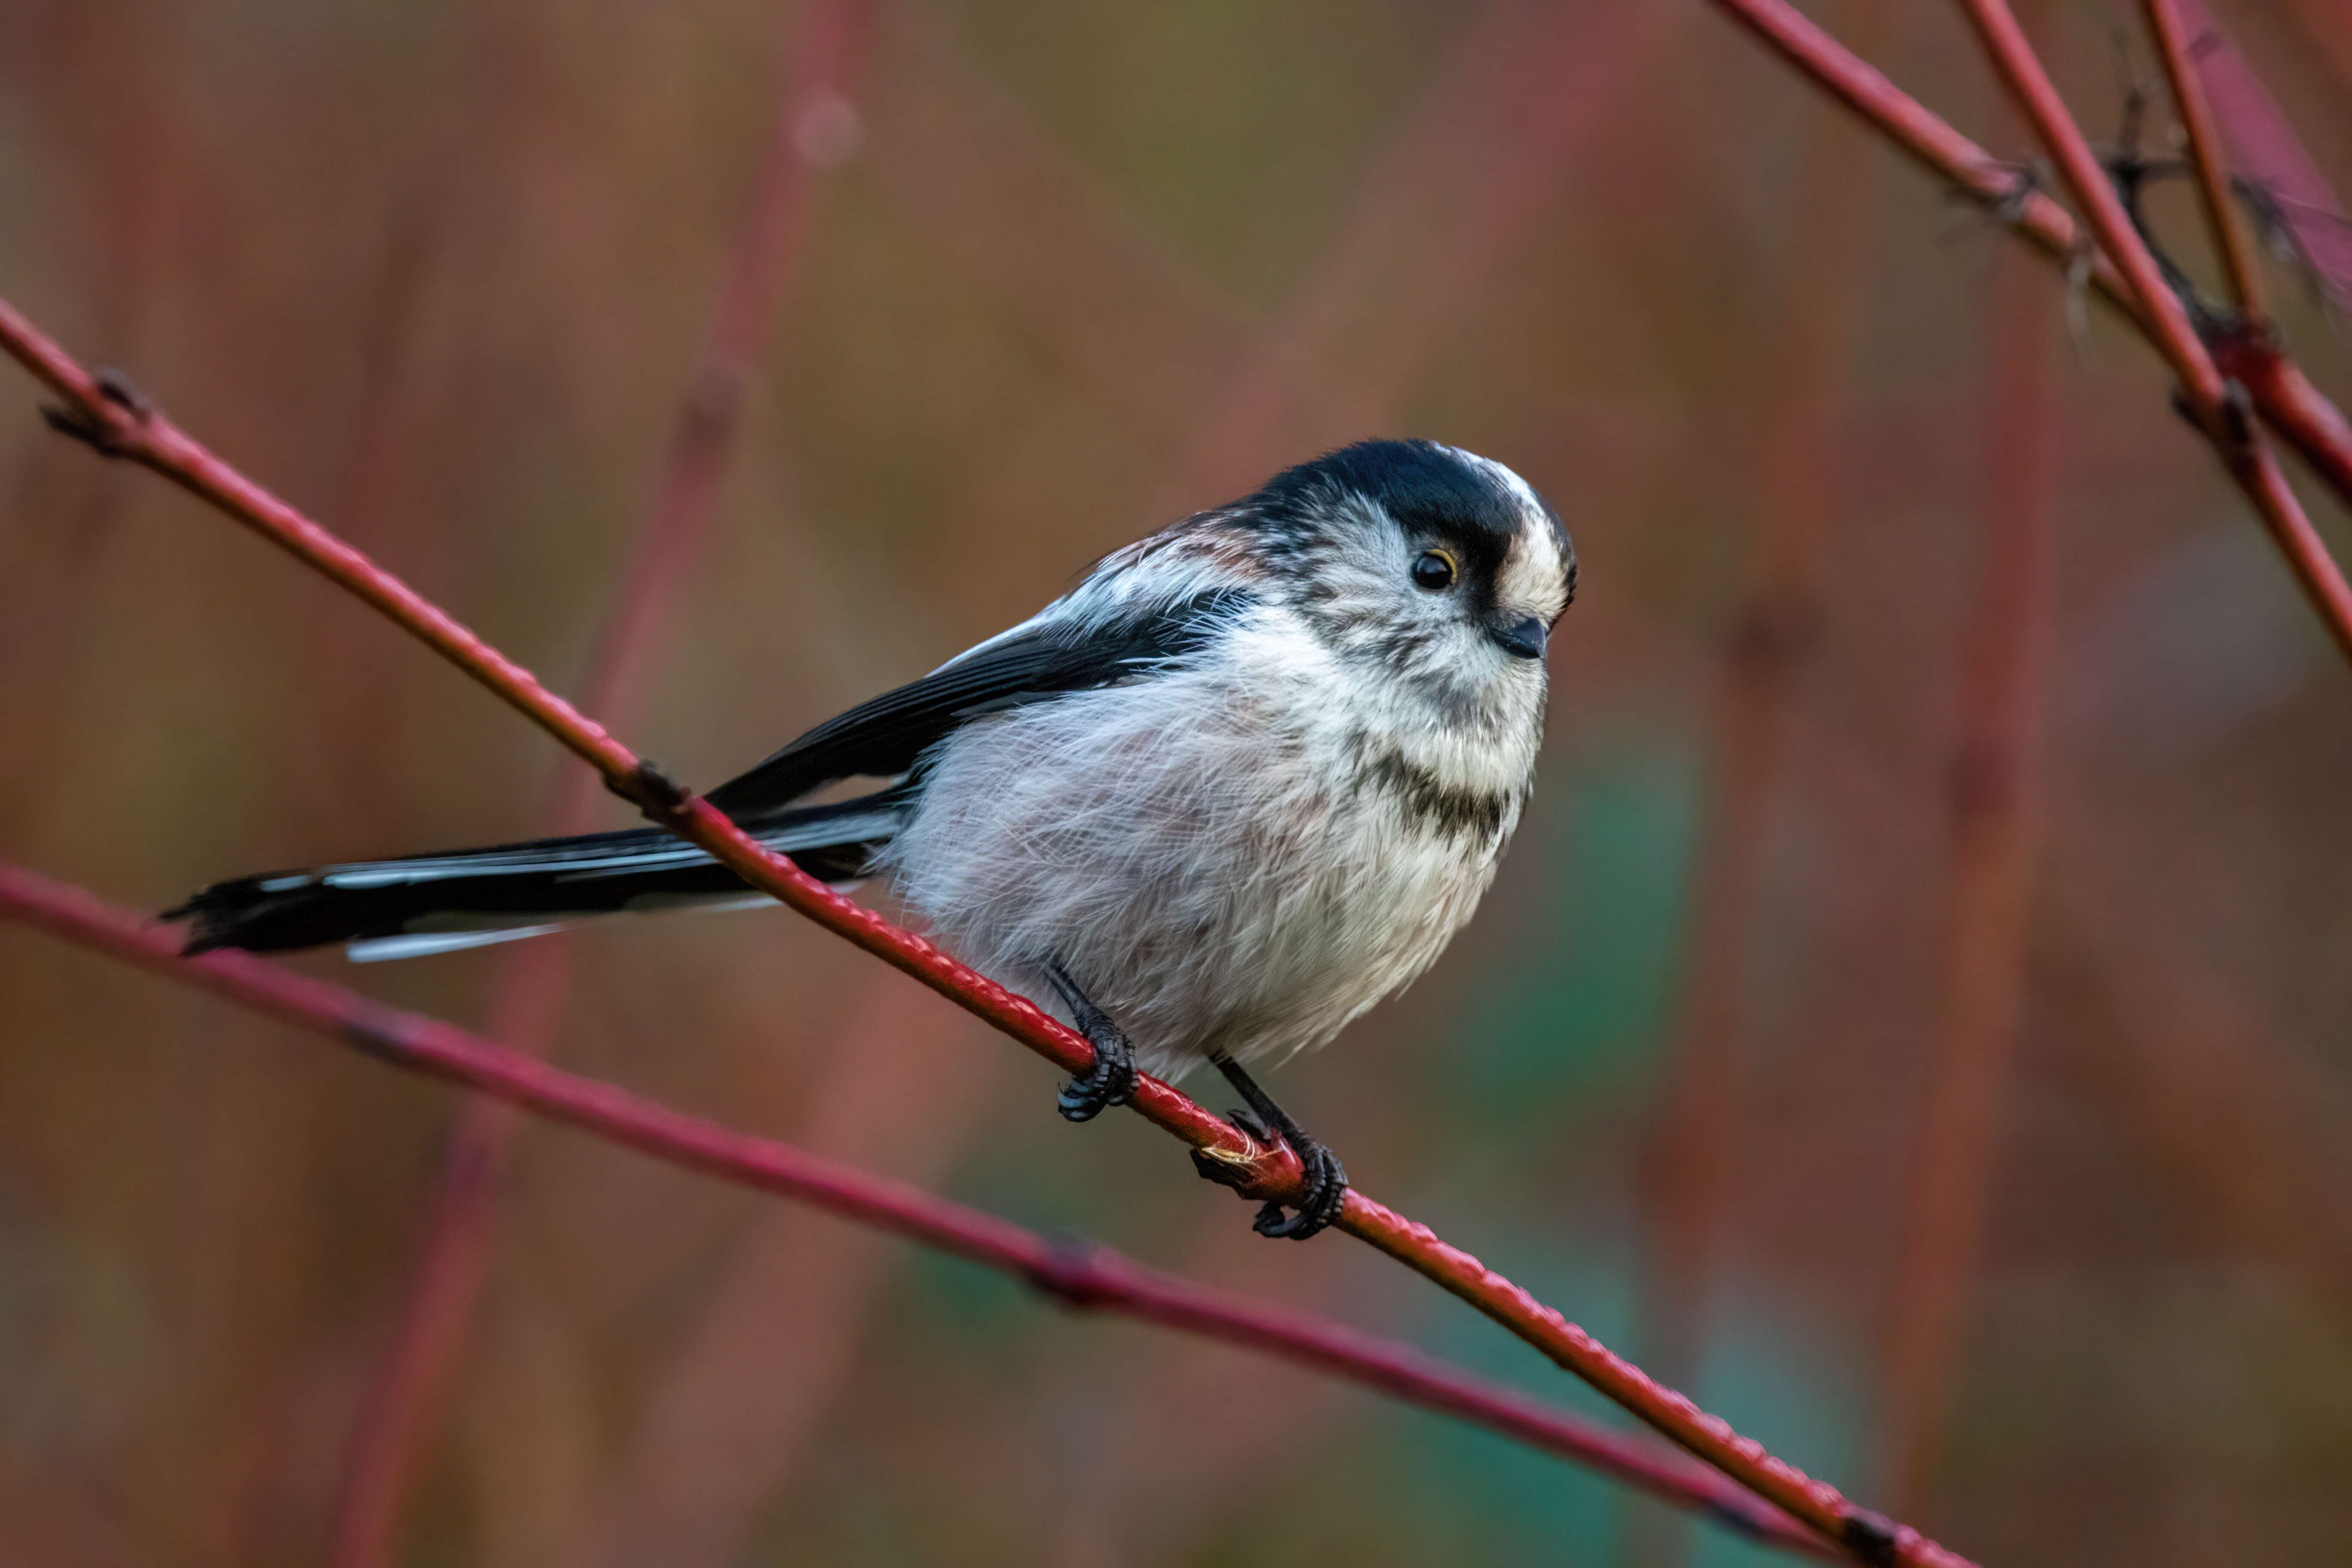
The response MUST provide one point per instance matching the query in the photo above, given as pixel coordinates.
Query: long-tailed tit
(1245, 780)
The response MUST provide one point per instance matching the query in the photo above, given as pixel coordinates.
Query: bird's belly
(1202, 874)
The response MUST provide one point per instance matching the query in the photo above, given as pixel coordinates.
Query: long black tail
(433, 903)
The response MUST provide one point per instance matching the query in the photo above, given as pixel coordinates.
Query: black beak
(1521, 639)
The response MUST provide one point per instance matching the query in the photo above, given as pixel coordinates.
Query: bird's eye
(1432, 570)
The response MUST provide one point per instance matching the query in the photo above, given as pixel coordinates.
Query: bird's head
(1429, 562)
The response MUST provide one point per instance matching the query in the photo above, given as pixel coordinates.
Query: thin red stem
(2230, 236)
(445, 1278)
(2276, 388)
(118, 426)
(1081, 1275)
(2161, 313)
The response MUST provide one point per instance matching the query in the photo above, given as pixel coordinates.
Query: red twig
(2122, 271)
(2266, 146)
(1994, 828)
(2161, 314)
(1079, 1275)
(115, 421)
(2230, 236)
(445, 1278)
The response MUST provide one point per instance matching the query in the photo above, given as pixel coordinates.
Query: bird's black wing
(883, 738)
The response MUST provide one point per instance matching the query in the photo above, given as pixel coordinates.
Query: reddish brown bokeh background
(439, 275)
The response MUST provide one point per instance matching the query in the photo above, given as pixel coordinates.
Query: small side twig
(1079, 1275)
(2230, 232)
(2131, 172)
(2161, 312)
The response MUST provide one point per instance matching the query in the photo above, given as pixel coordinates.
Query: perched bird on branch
(1248, 778)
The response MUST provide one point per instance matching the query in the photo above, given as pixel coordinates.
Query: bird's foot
(1326, 1189)
(1111, 1080)
(1319, 1205)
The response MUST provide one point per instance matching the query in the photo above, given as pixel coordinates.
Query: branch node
(2228, 425)
(1872, 1538)
(2025, 182)
(76, 426)
(2237, 414)
(124, 394)
(104, 434)
(377, 1034)
(653, 790)
(2000, 189)
(1070, 1274)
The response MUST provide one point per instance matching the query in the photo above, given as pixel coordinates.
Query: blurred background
(1913, 1018)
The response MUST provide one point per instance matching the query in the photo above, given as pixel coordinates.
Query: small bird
(1244, 781)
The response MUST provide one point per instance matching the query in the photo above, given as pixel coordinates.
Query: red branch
(1081, 1275)
(116, 422)
(444, 1277)
(2122, 272)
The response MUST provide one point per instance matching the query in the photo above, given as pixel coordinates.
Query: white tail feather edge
(426, 943)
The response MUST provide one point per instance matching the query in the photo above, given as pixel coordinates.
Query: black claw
(1085, 1097)
(1326, 1191)
(1111, 1080)
(1326, 1194)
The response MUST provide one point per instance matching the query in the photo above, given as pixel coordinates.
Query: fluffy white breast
(1240, 856)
